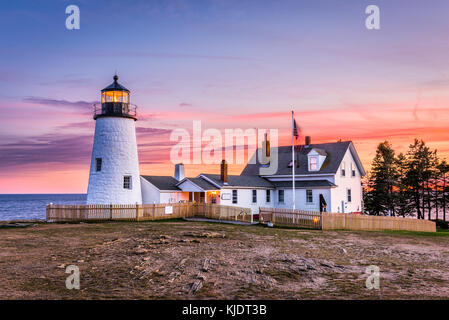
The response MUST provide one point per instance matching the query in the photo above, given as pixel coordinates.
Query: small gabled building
(161, 189)
(327, 178)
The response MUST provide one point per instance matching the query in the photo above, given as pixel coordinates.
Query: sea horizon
(30, 206)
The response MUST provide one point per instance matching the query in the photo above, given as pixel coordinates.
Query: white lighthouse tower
(114, 170)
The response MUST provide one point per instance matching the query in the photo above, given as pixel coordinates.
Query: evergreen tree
(419, 167)
(379, 187)
(442, 188)
(402, 200)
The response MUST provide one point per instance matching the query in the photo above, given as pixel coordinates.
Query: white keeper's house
(327, 175)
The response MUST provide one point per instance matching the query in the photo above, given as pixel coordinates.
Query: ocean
(32, 206)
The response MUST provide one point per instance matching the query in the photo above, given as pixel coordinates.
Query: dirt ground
(199, 260)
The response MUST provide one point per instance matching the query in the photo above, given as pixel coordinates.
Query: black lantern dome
(115, 102)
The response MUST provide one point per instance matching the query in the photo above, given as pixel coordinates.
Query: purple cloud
(76, 105)
(47, 148)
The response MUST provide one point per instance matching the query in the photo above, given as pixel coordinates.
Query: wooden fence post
(137, 212)
(110, 212)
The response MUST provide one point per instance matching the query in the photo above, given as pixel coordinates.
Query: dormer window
(313, 164)
(315, 159)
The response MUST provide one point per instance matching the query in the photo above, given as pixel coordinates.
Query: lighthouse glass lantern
(115, 102)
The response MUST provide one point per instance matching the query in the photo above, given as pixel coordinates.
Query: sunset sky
(229, 63)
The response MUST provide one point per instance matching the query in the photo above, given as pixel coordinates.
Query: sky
(228, 63)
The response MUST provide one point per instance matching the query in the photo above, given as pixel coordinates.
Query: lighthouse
(114, 170)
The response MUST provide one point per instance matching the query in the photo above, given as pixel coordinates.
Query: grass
(439, 233)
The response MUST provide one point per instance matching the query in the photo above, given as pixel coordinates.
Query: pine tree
(379, 187)
(442, 197)
(402, 200)
(419, 159)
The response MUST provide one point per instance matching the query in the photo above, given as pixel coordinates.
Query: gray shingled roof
(203, 184)
(163, 182)
(240, 181)
(303, 184)
(335, 153)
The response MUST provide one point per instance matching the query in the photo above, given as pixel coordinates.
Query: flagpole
(293, 160)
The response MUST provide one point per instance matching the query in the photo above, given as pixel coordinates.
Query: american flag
(296, 133)
(295, 129)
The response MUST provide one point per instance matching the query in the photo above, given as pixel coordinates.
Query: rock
(205, 266)
(16, 225)
(324, 264)
(212, 235)
(197, 285)
(140, 250)
(201, 276)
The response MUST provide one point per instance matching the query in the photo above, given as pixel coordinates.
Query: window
(234, 196)
(313, 164)
(254, 196)
(343, 169)
(349, 195)
(352, 169)
(98, 164)
(268, 196)
(127, 182)
(281, 196)
(309, 196)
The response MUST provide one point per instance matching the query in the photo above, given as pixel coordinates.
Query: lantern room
(115, 102)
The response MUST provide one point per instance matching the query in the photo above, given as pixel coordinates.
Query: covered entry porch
(200, 190)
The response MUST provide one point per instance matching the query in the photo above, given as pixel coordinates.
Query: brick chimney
(224, 172)
(267, 146)
(308, 141)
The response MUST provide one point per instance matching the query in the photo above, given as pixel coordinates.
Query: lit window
(309, 196)
(234, 196)
(281, 196)
(127, 182)
(349, 195)
(98, 164)
(343, 169)
(268, 196)
(352, 169)
(313, 164)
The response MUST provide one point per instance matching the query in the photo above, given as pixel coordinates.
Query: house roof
(334, 155)
(321, 152)
(163, 182)
(201, 183)
(239, 181)
(304, 184)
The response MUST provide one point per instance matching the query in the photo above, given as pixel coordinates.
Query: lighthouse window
(127, 182)
(98, 164)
